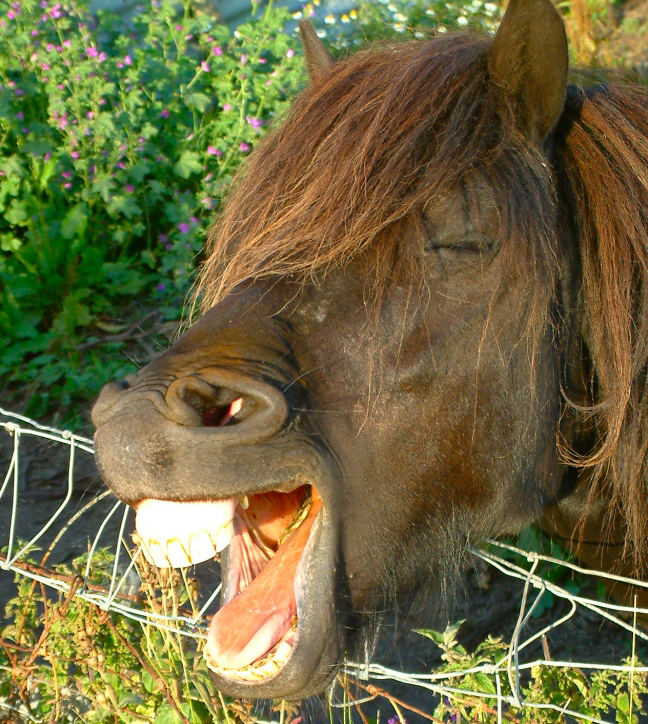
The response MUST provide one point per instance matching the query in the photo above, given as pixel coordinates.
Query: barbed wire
(119, 593)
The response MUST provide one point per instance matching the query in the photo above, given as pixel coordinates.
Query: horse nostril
(222, 415)
(192, 401)
(110, 394)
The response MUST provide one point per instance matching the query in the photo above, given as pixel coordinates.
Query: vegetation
(117, 145)
(66, 659)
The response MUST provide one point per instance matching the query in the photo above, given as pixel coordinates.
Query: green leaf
(103, 185)
(75, 222)
(199, 101)
(167, 715)
(139, 170)
(17, 214)
(125, 205)
(47, 172)
(485, 683)
(12, 166)
(37, 148)
(104, 123)
(189, 163)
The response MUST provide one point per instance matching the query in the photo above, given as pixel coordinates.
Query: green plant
(116, 146)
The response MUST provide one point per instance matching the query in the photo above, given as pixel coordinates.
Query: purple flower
(164, 113)
(216, 50)
(102, 57)
(213, 151)
(91, 52)
(66, 174)
(91, 169)
(163, 238)
(121, 165)
(206, 202)
(20, 115)
(193, 220)
(243, 59)
(90, 114)
(45, 66)
(254, 122)
(184, 227)
(130, 188)
(227, 107)
(262, 60)
(34, 32)
(128, 60)
(178, 27)
(25, 130)
(11, 15)
(75, 154)
(67, 43)
(204, 66)
(120, 64)
(68, 185)
(55, 12)
(49, 48)
(160, 287)
(60, 86)
(244, 147)
(289, 54)
(169, 246)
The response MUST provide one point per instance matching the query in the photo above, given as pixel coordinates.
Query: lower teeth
(264, 667)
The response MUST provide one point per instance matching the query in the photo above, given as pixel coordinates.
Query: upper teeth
(182, 534)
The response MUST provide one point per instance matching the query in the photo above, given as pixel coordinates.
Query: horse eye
(479, 245)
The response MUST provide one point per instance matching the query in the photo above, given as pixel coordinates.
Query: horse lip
(317, 652)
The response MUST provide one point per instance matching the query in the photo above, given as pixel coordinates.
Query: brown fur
(367, 146)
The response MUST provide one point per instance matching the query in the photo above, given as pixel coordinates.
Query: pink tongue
(252, 623)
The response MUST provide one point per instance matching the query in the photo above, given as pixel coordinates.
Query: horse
(424, 323)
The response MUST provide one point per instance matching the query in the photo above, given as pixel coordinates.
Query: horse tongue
(247, 627)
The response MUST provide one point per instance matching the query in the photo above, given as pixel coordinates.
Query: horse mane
(361, 152)
(367, 145)
(602, 142)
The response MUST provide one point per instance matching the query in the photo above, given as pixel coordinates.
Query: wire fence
(115, 572)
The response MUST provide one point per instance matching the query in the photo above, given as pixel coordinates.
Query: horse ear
(529, 60)
(318, 59)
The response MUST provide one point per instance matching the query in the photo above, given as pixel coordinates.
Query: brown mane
(604, 159)
(365, 147)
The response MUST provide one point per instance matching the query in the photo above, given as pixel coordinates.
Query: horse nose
(224, 399)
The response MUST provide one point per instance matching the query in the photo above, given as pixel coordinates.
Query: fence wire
(116, 586)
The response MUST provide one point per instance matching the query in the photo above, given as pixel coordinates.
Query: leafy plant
(116, 146)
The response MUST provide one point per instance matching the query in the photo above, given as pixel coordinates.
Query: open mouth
(262, 537)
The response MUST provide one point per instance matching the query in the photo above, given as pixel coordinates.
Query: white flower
(462, 20)
(399, 27)
(441, 29)
(430, 12)
(297, 15)
(400, 17)
(490, 8)
(321, 33)
(330, 19)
